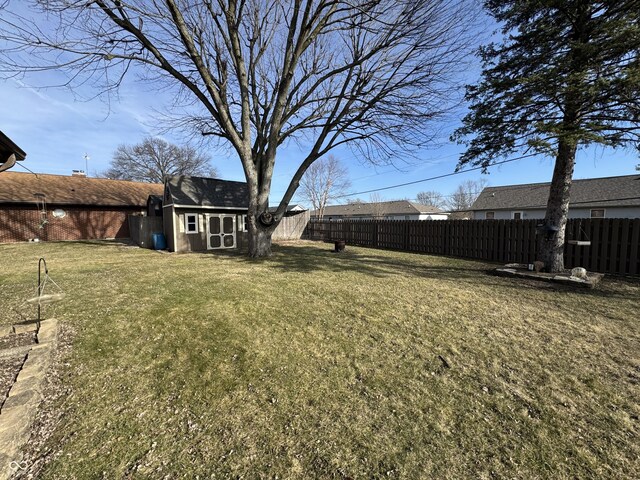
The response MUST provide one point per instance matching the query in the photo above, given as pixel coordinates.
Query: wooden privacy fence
(615, 242)
(292, 226)
(143, 228)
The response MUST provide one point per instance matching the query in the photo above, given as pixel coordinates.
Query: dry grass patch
(311, 364)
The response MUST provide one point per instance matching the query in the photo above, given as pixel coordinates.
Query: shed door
(221, 231)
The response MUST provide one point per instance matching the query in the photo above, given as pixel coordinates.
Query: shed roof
(207, 192)
(396, 207)
(18, 187)
(621, 191)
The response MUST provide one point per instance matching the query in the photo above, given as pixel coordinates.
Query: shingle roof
(621, 191)
(208, 192)
(290, 208)
(18, 187)
(396, 207)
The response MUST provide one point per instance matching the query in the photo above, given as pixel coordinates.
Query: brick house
(57, 207)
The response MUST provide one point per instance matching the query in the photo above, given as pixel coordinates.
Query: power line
(437, 177)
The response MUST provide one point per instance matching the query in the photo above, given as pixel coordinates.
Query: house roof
(7, 147)
(290, 208)
(396, 207)
(591, 192)
(207, 192)
(18, 187)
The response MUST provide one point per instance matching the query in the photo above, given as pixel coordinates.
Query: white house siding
(610, 212)
(432, 216)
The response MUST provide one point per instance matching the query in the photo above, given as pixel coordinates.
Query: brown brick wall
(18, 224)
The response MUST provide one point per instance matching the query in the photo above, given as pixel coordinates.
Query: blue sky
(57, 129)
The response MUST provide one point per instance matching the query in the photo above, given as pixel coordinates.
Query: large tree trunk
(259, 232)
(260, 241)
(551, 248)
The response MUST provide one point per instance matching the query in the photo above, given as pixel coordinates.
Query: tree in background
(377, 205)
(324, 181)
(463, 197)
(261, 74)
(565, 75)
(153, 160)
(432, 198)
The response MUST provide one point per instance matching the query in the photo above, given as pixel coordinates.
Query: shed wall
(197, 242)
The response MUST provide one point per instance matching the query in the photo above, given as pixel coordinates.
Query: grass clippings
(366, 364)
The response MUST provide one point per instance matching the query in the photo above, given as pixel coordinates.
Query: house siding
(610, 212)
(21, 223)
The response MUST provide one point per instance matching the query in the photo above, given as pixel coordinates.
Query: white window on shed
(191, 223)
(243, 226)
(516, 215)
(597, 213)
(489, 215)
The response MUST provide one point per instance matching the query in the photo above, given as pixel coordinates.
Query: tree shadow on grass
(318, 258)
(315, 259)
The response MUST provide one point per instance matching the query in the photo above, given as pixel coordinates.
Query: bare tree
(154, 159)
(463, 197)
(324, 181)
(257, 74)
(377, 205)
(431, 198)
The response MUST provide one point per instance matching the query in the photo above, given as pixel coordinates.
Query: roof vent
(78, 173)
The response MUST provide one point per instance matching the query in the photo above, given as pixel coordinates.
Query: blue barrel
(159, 242)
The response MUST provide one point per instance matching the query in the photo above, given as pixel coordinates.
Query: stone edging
(18, 411)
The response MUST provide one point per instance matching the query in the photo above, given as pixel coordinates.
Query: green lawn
(366, 364)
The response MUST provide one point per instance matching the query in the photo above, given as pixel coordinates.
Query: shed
(201, 214)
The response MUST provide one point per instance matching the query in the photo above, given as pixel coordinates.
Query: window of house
(407, 217)
(191, 223)
(597, 213)
(516, 215)
(243, 225)
(489, 215)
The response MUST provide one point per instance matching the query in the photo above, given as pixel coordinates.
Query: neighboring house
(395, 210)
(56, 207)
(202, 214)
(610, 197)
(10, 153)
